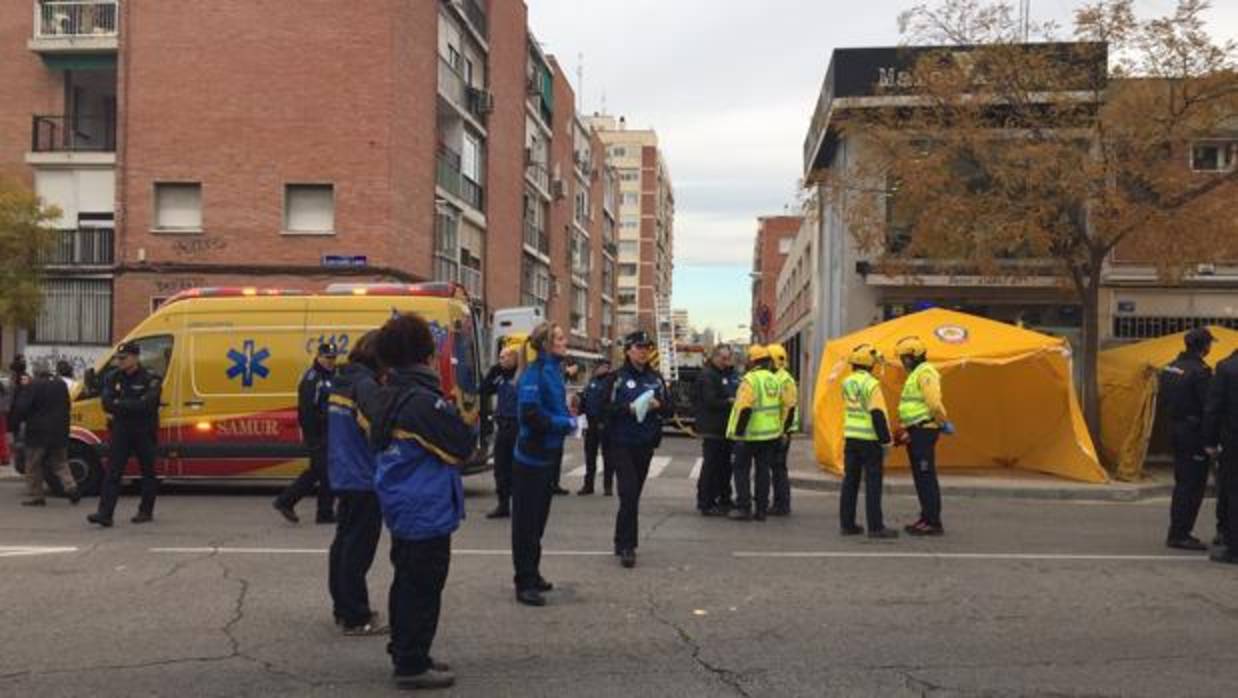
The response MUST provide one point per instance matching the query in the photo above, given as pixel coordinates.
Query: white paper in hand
(640, 406)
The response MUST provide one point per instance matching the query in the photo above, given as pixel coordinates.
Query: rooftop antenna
(580, 82)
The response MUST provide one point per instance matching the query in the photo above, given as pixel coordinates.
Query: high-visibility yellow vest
(912, 407)
(858, 389)
(765, 422)
(784, 377)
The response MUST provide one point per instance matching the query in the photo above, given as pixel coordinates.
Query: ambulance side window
(155, 357)
(465, 347)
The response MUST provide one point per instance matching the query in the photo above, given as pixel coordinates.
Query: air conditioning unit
(1206, 270)
(558, 189)
(483, 99)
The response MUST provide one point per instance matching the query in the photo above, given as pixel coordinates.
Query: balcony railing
(477, 17)
(535, 237)
(473, 193)
(86, 247)
(448, 173)
(72, 20)
(451, 83)
(470, 278)
(540, 176)
(73, 134)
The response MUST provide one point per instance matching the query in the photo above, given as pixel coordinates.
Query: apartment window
(608, 318)
(627, 298)
(627, 269)
(534, 283)
(580, 255)
(178, 206)
(619, 152)
(582, 206)
(470, 158)
(629, 248)
(75, 311)
(1213, 156)
(446, 247)
(631, 198)
(784, 245)
(629, 175)
(608, 276)
(580, 310)
(309, 208)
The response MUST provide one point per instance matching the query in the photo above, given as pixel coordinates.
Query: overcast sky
(730, 88)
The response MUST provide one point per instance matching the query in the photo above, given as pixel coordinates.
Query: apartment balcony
(535, 238)
(539, 176)
(472, 101)
(87, 26)
(72, 141)
(85, 247)
(476, 16)
(449, 177)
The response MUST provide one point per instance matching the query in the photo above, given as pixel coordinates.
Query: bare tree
(1013, 160)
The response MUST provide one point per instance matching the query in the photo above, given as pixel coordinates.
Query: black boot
(502, 511)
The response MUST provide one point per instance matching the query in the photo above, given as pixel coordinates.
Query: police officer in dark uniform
(501, 382)
(592, 402)
(131, 400)
(1184, 387)
(632, 439)
(312, 396)
(1221, 439)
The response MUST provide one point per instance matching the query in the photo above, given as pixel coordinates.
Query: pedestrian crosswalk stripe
(658, 464)
(696, 469)
(28, 550)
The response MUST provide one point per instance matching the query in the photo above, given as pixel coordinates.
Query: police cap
(639, 338)
(328, 349)
(1199, 338)
(129, 348)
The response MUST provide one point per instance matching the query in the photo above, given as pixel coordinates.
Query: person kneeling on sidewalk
(420, 440)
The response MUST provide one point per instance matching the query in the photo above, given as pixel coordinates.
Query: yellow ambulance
(231, 359)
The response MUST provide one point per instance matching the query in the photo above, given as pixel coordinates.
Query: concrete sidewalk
(994, 483)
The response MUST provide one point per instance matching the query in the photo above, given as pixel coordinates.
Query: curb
(1077, 493)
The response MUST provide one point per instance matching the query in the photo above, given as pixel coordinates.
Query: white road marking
(242, 551)
(657, 465)
(696, 469)
(28, 550)
(975, 556)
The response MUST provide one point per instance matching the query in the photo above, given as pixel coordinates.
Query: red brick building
(774, 237)
(274, 144)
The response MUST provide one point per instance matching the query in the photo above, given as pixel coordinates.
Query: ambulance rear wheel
(86, 467)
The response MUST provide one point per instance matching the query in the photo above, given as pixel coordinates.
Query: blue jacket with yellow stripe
(420, 440)
(350, 463)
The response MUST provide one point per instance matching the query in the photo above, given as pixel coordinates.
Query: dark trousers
(315, 476)
(1222, 502)
(749, 456)
(415, 599)
(357, 530)
(781, 478)
(595, 440)
(862, 459)
(922, 454)
(504, 450)
(128, 442)
(632, 469)
(713, 487)
(531, 497)
(1191, 466)
(1229, 489)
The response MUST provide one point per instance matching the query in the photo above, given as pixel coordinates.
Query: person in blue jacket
(633, 438)
(420, 441)
(592, 401)
(545, 422)
(350, 467)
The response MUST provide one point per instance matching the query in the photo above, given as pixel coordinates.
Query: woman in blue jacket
(544, 423)
(419, 440)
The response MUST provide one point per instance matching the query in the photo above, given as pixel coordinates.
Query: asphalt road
(220, 597)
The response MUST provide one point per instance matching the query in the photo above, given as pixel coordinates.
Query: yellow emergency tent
(1129, 379)
(1008, 391)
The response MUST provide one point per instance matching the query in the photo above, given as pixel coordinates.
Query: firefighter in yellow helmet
(782, 481)
(866, 434)
(923, 417)
(758, 421)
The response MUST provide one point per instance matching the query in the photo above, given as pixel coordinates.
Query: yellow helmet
(910, 346)
(865, 356)
(756, 353)
(778, 354)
